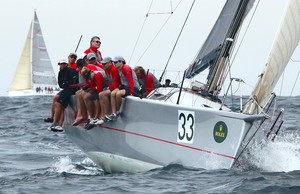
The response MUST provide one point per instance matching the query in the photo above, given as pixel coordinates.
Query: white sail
(34, 68)
(286, 41)
(22, 78)
(42, 70)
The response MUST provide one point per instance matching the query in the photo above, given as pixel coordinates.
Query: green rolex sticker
(220, 131)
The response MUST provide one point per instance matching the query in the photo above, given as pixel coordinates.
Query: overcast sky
(118, 23)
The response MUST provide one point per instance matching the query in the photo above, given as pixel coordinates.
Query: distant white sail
(22, 78)
(42, 70)
(286, 41)
(34, 68)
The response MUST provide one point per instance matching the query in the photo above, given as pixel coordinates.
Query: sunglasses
(115, 62)
(92, 59)
(97, 41)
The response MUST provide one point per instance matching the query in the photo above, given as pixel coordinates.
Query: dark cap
(73, 55)
(79, 63)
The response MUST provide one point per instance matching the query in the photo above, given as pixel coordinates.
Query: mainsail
(34, 68)
(215, 50)
(286, 41)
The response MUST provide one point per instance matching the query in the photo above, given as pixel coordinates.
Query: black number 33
(187, 126)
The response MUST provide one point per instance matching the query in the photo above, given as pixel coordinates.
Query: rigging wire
(295, 83)
(140, 33)
(176, 41)
(295, 61)
(280, 92)
(157, 34)
(171, 12)
(142, 28)
(240, 44)
(242, 40)
(296, 77)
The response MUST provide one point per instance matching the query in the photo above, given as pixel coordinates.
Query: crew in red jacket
(94, 46)
(114, 82)
(129, 86)
(98, 81)
(72, 61)
(147, 81)
(85, 94)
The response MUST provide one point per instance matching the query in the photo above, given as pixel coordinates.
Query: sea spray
(280, 155)
(64, 164)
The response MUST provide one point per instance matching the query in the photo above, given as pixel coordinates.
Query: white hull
(152, 133)
(112, 163)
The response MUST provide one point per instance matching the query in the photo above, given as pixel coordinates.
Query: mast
(215, 80)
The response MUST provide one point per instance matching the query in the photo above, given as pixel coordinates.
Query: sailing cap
(73, 55)
(79, 63)
(118, 58)
(106, 60)
(90, 56)
(62, 61)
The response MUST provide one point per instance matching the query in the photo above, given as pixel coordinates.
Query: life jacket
(106, 80)
(124, 81)
(143, 81)
(97, 53)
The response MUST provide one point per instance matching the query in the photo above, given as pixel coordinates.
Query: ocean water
(34, 160)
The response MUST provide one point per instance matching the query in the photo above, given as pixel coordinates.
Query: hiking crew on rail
(102, 85)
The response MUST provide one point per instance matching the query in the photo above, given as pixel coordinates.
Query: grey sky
(118, 23)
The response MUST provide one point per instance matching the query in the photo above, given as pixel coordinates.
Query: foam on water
(86, 167)
(281, 155)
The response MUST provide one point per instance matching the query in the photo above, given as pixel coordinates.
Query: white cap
(62, 61)
(118, 58)
(106, 60)
(90, 56)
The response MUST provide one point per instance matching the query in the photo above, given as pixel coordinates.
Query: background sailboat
(34, 69)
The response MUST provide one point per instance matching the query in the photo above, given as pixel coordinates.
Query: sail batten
(286, 41)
